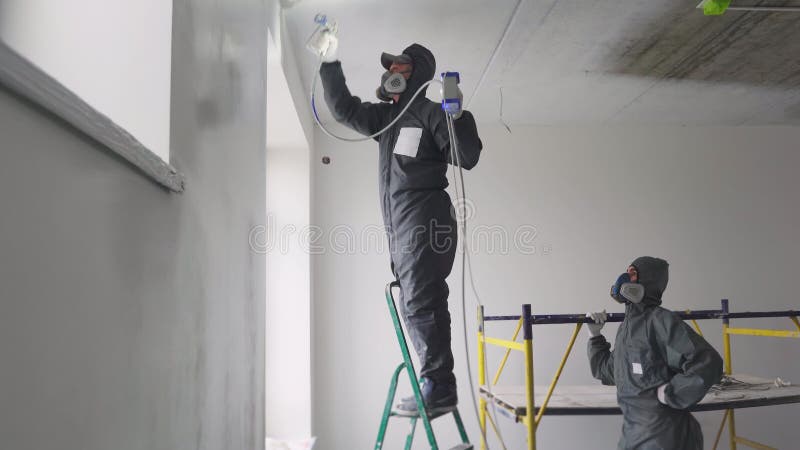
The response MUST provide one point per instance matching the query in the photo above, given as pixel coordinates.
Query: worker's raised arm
(364, 117)
(601, 357)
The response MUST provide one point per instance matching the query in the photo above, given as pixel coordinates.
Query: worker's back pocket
(408, 142)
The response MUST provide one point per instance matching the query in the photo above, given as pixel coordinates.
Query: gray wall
(130, 317)
(718, 203)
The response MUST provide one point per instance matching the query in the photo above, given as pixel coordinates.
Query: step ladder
(389, 412)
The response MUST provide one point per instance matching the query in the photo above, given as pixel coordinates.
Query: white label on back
(408, 142)
(637, 368)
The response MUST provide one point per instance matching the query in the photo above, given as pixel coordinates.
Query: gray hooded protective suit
(412, 176)
(654, 346)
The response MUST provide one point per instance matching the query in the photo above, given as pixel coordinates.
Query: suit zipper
(390, 161)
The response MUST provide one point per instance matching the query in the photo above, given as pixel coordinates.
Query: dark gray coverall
(654, 346)
(412, 176)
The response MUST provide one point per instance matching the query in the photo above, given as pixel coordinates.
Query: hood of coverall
(653, 275)
(424, 68)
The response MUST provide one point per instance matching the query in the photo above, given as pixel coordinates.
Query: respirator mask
(391, 83)
(624, 290)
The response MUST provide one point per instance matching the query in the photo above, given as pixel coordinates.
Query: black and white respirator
(624, 290)
(391, 83)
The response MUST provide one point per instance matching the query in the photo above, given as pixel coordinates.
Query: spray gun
(319, 40)
(452, 98)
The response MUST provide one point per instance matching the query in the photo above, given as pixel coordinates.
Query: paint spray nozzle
(320, 39)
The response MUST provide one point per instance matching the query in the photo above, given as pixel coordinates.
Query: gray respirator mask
(391, 83)
(624, 290)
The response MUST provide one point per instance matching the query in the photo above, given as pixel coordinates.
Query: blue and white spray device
(451, 96)
(319, 40)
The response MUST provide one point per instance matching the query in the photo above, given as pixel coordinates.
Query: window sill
(25, 79)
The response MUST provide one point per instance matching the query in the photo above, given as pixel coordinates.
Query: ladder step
(409, 414)
(408, 366)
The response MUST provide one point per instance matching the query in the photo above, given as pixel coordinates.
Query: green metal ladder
(388, 412)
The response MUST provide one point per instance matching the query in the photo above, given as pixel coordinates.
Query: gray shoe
(438, 397)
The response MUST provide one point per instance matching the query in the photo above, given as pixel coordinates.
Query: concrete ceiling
(586, 62)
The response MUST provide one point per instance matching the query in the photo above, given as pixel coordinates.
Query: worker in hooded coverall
(417, 211)
(660, 366)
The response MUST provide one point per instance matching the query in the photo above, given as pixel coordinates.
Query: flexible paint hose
(341, 138)
(466, 264)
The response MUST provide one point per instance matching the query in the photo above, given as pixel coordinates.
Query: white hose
(455, 159)
(329, 133)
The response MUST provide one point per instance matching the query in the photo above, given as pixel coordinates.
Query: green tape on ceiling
(715, 7)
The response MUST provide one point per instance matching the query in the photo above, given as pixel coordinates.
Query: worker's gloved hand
(330, 54)
(599, 319)
(325, 45)
(460, 102)
(661, 393)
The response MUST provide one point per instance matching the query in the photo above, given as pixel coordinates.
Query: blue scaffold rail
(550, 319)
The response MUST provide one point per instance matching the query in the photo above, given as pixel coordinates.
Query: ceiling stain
(754, 48)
